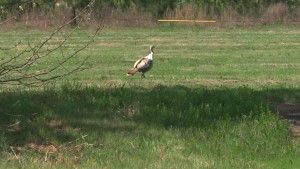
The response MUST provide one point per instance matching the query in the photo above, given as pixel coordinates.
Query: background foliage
(156, 8)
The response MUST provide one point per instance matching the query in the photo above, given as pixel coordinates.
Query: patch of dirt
(291, 112)
(105, 44)
(44, 148)
(55, 124)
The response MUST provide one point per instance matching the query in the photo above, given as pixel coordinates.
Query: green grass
(205, 103)
(195, 55)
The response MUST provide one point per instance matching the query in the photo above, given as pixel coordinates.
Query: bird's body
(143, 65)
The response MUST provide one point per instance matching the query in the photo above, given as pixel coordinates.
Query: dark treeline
(212, 7)
(155, 8)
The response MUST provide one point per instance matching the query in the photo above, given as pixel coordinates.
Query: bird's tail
(132, 71)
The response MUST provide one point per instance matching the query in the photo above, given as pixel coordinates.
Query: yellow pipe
(172, 20)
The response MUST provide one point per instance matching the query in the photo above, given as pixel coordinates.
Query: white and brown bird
(143, 65)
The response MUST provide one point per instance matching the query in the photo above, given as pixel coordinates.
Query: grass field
(205, 103)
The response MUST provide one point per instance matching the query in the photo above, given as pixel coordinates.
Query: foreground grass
(205, 103)
(162, 127)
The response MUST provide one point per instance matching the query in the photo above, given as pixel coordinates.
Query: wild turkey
(143, 65)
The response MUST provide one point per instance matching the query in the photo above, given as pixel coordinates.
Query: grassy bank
(205, 103)
(256, 56)
(162, 127)
(232, 56)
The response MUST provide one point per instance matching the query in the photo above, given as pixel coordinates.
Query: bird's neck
(150, 56)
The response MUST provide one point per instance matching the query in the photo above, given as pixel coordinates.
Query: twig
(15, 155)
(16, 72)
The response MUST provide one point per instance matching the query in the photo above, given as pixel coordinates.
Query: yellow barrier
(199, 21)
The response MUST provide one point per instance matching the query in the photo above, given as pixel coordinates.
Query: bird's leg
(143, 76)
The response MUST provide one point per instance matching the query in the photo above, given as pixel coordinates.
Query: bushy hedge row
(155, 7)
(159, 7)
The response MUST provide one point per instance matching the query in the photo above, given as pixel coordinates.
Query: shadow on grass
(61, 114)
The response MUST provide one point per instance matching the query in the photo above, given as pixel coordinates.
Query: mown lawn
(205, 103)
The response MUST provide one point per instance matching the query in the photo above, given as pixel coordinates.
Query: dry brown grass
(36, 20)
(187, 12)
(130, 17)
(279, 12)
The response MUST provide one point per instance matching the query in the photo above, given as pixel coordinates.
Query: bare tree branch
(18, 69)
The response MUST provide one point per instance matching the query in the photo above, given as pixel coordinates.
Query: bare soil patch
(291, 112)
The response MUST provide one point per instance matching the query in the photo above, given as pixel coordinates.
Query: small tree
(75, 5)
(19, 69)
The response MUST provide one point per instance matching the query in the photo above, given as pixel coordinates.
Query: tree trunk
(73, 16)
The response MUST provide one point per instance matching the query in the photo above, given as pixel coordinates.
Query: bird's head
(151, 48)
